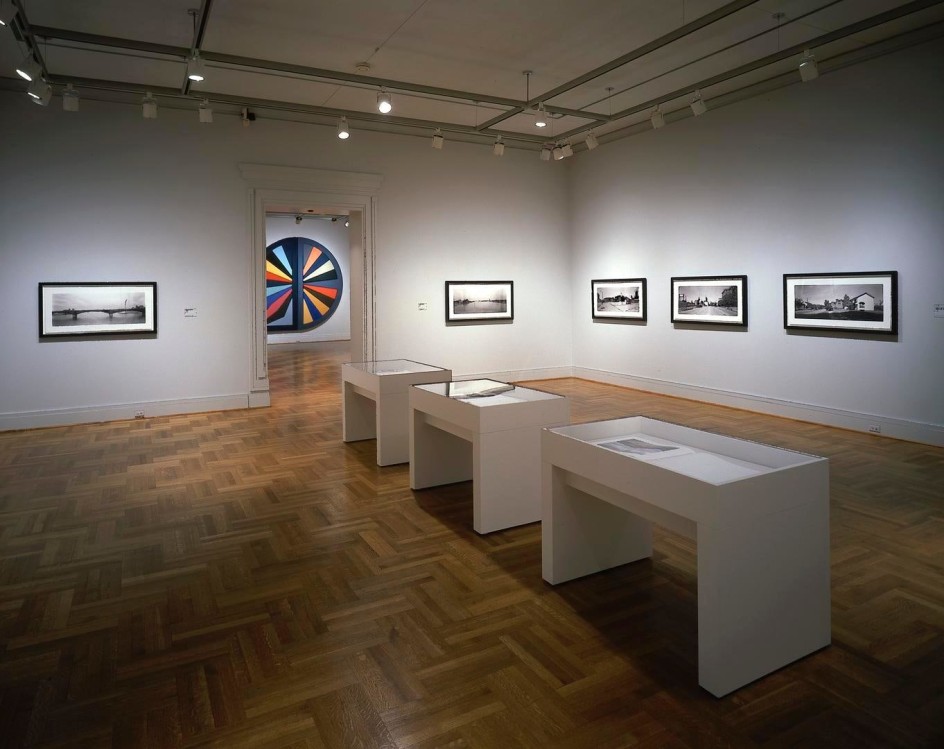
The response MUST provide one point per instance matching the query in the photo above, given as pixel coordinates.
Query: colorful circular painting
(303, 284)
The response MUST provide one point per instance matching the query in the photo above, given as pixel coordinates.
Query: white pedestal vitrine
(375, 403)
(457, 434)
(759, 514)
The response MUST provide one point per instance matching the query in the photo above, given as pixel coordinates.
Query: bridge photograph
(100, 309)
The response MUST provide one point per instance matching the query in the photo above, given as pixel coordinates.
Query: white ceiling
(454, 64)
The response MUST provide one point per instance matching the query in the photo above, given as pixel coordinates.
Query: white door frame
(334, 191)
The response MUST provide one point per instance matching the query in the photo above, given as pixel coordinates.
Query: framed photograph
(714, 300)
(618, 299)
(851, 302)
(476, 301)
(107, 308)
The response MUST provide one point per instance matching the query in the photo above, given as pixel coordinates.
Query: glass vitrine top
(485, 392)
(392, 366)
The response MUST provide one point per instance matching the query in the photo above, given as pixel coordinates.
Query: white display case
(375, 403)
(459, 432)
(759, 514)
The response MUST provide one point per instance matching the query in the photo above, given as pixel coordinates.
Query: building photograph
(434, 374)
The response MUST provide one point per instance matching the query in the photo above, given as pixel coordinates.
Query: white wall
(845, 173)
(104, 194)
(334, 236)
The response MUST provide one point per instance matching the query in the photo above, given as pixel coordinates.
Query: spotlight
(499, 148)
(343, 132)
(70, 99)
(808, 68)
(205, 111)
(438, 140)
(698, 105)
(540, 118)
(7, 11)
(248, 117)
(567, 150)
(29, 69)
(384, 103)
(657, 118)
(347, 222)
(558, 152)
(298, 220)
(546, 153)
(195, 67)
(40, 92)
(149, 106)
(591, 141)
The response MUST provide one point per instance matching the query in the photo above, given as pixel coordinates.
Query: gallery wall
(334, 236)
(845, 173)
(102, 194)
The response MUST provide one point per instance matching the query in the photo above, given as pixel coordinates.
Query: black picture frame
(619, 299)
(97, 308)
(480, 301)
(709, 300)
(855, 302)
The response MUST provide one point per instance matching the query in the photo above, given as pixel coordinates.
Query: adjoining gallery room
(425, 374)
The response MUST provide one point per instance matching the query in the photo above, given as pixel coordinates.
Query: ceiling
(457, 65)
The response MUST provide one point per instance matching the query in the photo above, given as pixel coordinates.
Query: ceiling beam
(183, 53)
(656, 44)
(648, 48)
(275, 105)
(796, 49)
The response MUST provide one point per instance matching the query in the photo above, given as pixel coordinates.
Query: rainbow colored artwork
(303, 284)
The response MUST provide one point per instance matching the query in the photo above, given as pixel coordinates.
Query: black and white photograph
(93, 308)
(715, 300)
(472, 301)
(640, 446)
(849, 302)
(618, 299)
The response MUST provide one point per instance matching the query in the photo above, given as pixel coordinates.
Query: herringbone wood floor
(245, 579)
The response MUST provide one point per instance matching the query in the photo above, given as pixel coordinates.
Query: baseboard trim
(914, 431)
(121, 411)
(519, 375)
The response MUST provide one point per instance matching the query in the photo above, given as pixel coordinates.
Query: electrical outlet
(423, 306)
(875, 429)
(139, 414)
(190, 311)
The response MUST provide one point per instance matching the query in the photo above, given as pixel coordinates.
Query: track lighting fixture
(438, 140)
(29, 69)
(248, 117)
(558, 152)
(384, 102)
(808, 67)
(698, 105)
(546, 153)
(347, 222)
(298, 220)
(205, 111)
(148, 106)
(7, 11)
(343, 132)
(540, 117)
(499, 147)
(591, 141)
(70, 99)
(567, 150)
(195, 67)
(657, 118)
(40, 92)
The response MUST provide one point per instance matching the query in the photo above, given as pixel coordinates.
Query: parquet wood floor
(245, 579)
